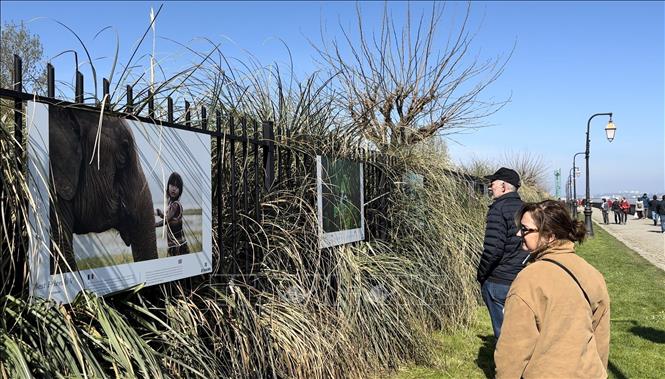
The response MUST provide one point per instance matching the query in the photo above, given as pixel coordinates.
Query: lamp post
(571, 203)
(610, 130)
(575, 173)
(568, 190)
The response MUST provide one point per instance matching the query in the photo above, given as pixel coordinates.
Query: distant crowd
(644, 208)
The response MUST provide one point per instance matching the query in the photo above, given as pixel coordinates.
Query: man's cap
(507, 175)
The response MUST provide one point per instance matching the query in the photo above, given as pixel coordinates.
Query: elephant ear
(64, 151)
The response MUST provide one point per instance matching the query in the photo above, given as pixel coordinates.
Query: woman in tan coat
(557, 315)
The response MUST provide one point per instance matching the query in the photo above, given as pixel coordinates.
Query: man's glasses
(524, 230)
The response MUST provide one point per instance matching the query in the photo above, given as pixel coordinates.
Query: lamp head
(610, 130)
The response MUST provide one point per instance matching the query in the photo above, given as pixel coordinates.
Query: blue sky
(571, 60)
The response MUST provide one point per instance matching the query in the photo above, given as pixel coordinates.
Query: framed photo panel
(340, 201)
(117, 202)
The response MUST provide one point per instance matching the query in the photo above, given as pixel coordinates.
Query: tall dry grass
(530, 167)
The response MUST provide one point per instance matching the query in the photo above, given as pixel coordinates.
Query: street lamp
(577, 173)
(571, 203)
(568, 191)
(610, 130)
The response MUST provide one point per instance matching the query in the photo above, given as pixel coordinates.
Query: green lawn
(637, 346)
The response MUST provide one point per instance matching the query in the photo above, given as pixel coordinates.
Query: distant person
(502, 257)
(661, 213)
(625, 209)
(173, 218)
(605, 208)
(557, 315)
(639, 208)
(653, 207)
(645, 202)
(616, 209)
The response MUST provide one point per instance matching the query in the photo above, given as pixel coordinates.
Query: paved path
(639, 235)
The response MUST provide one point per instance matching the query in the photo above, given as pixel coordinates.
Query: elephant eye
(123, 153)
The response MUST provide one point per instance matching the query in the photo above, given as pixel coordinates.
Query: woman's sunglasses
(524, 230)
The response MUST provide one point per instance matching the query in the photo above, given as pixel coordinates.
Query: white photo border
(343, 236)
(63, 287)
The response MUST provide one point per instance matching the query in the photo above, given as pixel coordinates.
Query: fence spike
(105, 91)
(78, 95)
(50, 81)
(151, 104)
(188, 116)
(130, 99)
(169, 109)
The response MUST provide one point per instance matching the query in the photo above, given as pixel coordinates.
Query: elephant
(87, 198)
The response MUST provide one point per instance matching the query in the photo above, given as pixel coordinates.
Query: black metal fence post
(50, 81)
(232, 162)
(245, 200)
(18, 107)
(78, 90)
(268, 154)
(288, 155)
(257, 248)
(257, 180)
(363, 159)
(188, 116)
(130, 100)
(279, 152)
(151, 105)
(220, 170)
(105, 90)
(18, 135)
(169, 109)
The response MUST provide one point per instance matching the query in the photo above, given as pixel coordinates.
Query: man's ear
(64, 151)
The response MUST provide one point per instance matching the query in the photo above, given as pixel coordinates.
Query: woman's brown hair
(553, 219)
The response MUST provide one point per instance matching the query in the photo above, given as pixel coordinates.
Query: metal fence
(251, 161)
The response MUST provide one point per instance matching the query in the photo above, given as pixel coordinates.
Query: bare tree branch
(399, 88)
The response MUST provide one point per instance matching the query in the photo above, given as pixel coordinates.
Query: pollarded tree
(401, 86)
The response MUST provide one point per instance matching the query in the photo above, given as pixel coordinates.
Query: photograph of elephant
(115, 183)
(340, 187)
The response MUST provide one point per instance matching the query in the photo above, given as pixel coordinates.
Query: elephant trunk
(142, 235)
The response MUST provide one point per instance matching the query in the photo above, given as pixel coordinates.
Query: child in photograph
(173, 219)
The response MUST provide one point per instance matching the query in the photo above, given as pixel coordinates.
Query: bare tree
(401, 86)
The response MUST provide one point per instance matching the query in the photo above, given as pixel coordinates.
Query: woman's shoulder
(529, 276)
(538, 272)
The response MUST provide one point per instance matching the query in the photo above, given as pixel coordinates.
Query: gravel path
(639, 235)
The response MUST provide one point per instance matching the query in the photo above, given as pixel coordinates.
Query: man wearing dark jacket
(645, 202)
(653, 207)
(502, 257)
